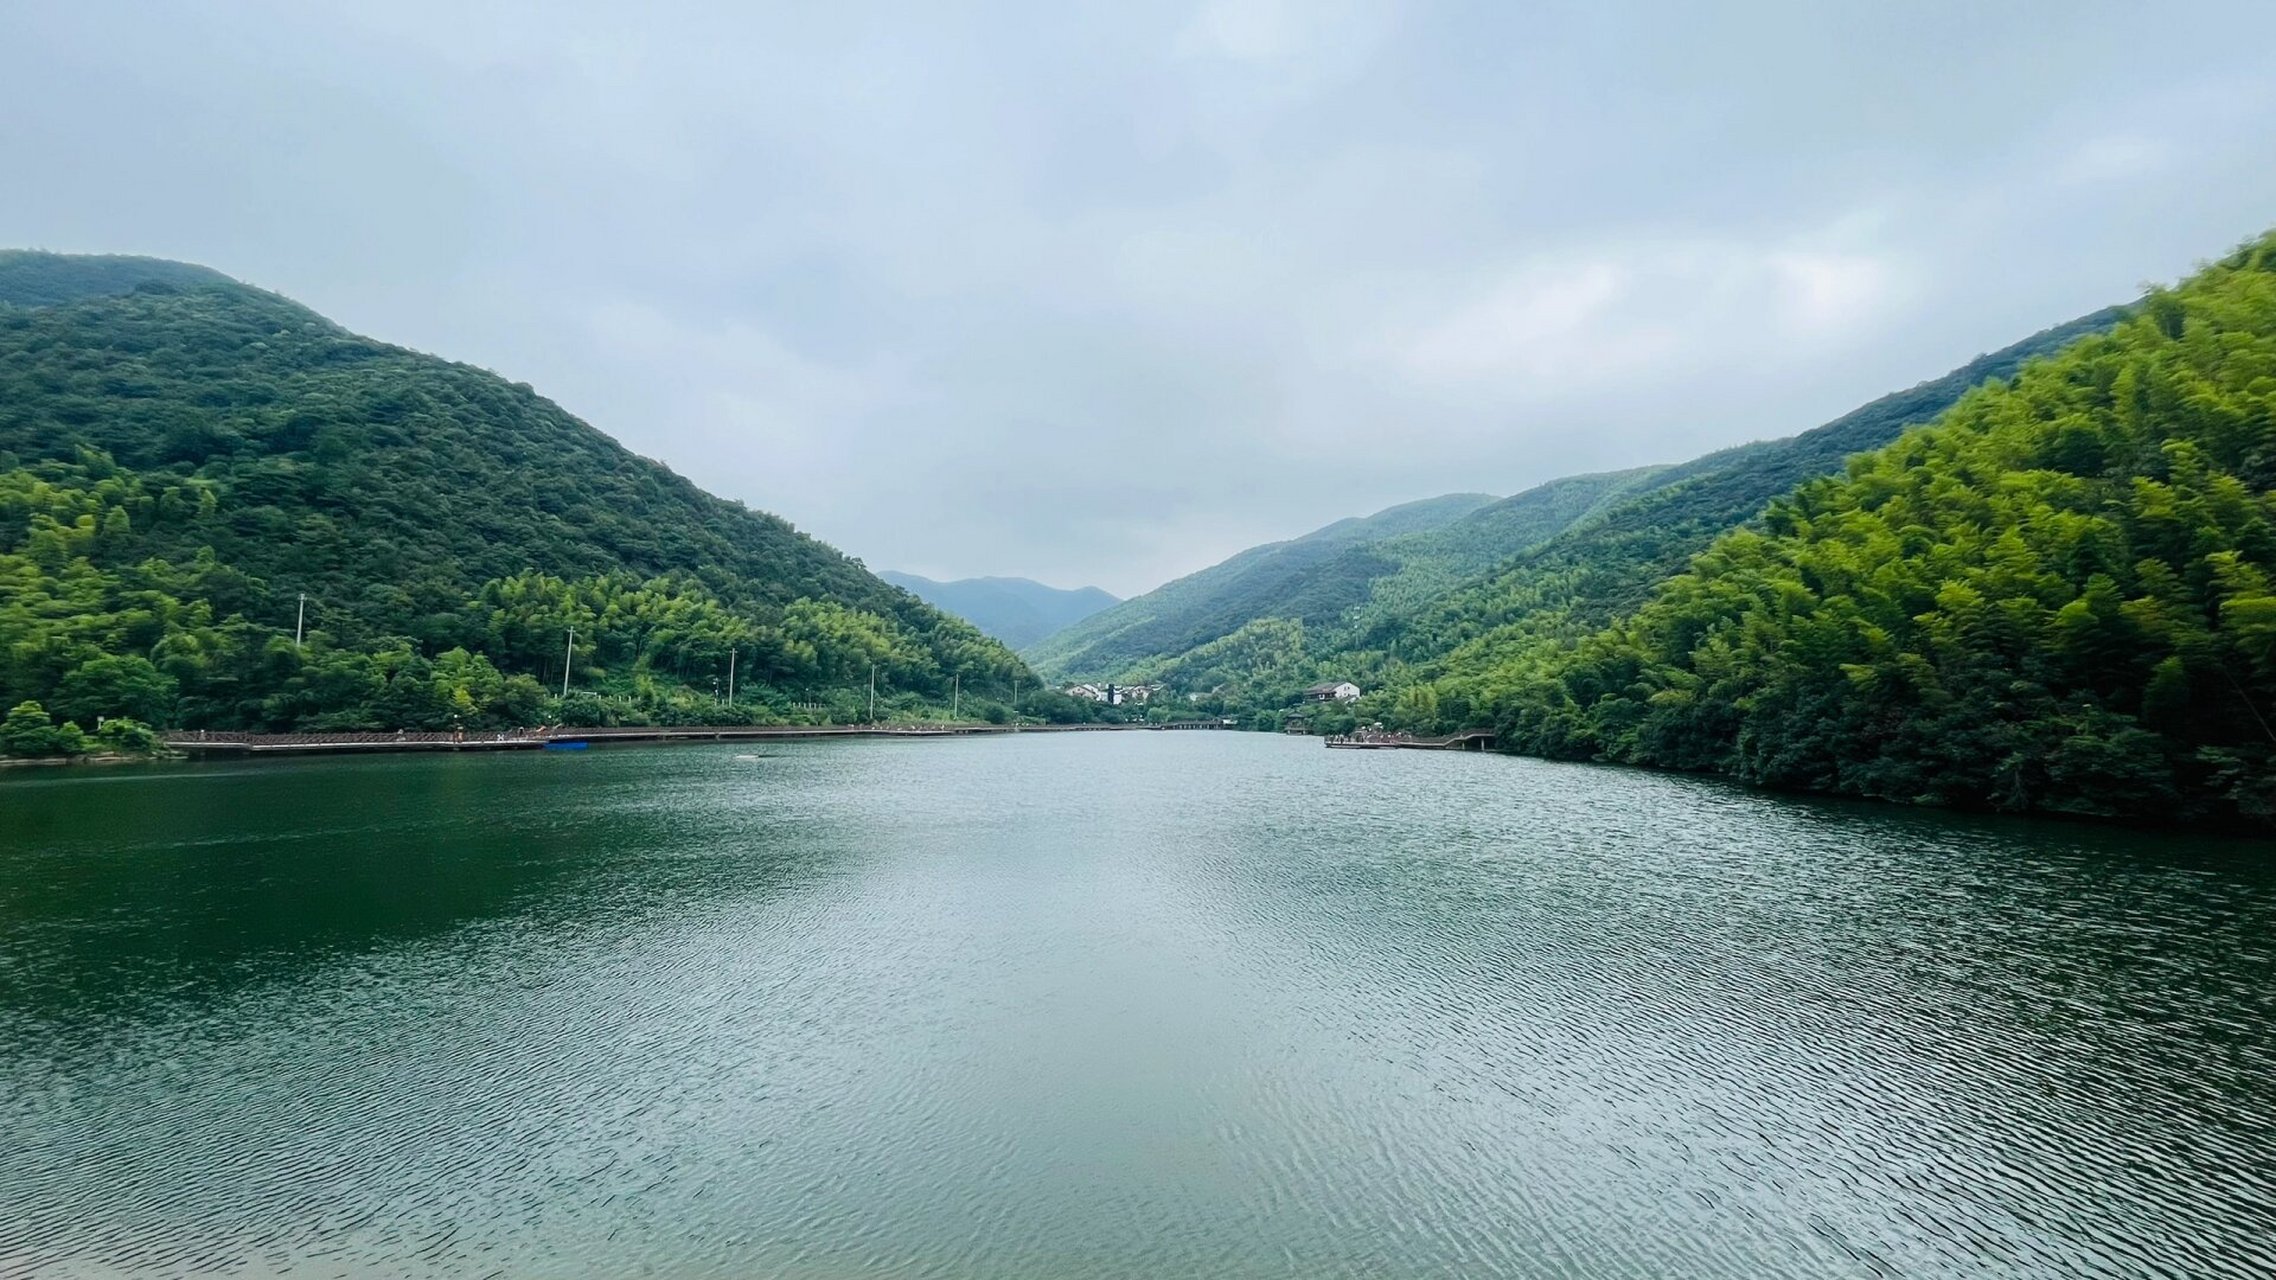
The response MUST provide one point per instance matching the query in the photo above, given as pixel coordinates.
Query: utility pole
(956, 705)
(301, 621)
(566, 659)
(730, 677)
(873, 693)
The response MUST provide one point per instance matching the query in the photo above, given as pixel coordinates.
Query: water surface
(1111, 1005)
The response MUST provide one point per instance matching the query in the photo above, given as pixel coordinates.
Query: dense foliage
(1605, 567)
(180, 462)
(2061, 597)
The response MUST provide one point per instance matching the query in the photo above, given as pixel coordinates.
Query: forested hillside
(1286, 639)
(1380, 583)
(182, 458)
(1411, 612)
(1203, 606)
(1607, 566)
(1018, 611)
(2061, 597)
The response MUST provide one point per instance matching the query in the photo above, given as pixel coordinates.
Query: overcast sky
(1101, 294)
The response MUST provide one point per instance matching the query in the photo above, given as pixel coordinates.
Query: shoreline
(55, 762)
(246, 745)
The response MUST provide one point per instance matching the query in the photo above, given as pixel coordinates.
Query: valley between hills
(2040, 582)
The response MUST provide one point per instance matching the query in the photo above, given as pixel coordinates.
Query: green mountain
(2061, 597)
(1203, 606)
(1018, 611)
(1591, 550)
(44, 279)
(1606, 566)
(183, 458)
(1378, 583)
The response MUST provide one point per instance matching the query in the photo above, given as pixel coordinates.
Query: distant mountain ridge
(1202, 606)
(1018, 611)
(1389, 576)
(1552, 562)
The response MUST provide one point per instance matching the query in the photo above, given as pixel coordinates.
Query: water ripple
(1113, 1005)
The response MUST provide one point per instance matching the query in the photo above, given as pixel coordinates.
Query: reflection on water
(1112, 1005)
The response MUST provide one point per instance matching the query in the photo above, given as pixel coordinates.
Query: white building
(1333, 691)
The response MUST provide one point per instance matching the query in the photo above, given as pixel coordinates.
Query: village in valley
(1319, 709)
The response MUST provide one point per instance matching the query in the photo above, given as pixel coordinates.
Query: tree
(116, 686)
(29, 732)
(127, 737)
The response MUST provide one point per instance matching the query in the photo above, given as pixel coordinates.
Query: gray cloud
(1101, 296)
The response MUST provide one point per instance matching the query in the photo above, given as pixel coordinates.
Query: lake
(1136, 1004)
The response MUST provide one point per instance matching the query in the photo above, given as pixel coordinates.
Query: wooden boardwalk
(1467, 740)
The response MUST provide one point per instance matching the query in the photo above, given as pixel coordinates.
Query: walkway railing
(1467, 740)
